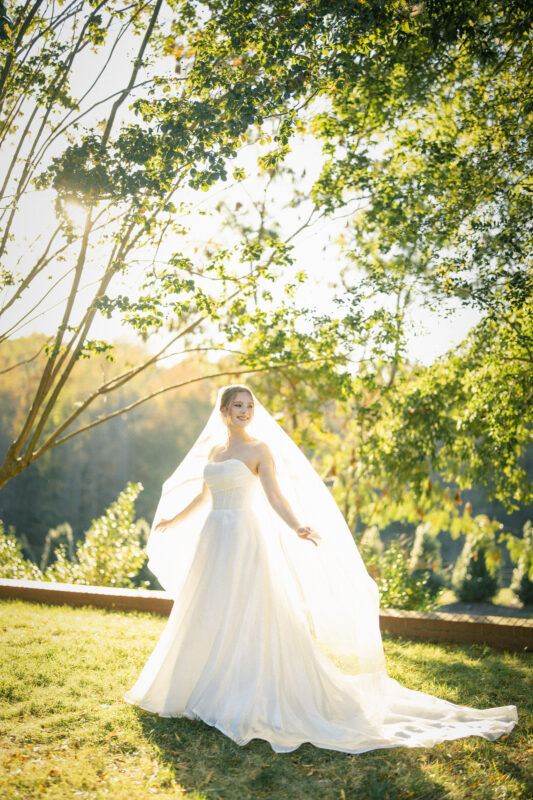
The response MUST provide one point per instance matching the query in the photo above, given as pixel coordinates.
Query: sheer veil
(329, 582)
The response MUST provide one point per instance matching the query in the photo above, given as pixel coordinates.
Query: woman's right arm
(163, 524)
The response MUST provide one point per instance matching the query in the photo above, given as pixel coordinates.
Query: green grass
(65, 732)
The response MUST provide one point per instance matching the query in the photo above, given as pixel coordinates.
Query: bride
(274, 632)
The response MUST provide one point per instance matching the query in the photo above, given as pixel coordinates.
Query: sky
(315, 251)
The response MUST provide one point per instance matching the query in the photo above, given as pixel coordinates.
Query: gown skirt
(238, 655)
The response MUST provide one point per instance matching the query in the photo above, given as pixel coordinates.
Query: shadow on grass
(470, 673)
(207, 762)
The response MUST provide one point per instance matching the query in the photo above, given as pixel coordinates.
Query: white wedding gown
(238, 654)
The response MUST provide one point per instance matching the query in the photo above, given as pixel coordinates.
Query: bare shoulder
(215, 451)
(262, 452)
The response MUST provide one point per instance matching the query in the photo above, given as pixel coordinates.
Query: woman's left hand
(309, 534)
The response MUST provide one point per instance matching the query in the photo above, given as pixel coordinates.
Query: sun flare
(75, 212)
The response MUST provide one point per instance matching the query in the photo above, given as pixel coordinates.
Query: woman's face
(240, 410)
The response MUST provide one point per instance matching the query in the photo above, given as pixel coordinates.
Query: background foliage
(397, 536)
(423, 113)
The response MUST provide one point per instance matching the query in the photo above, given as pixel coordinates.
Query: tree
(476, 574)
(430, 153)
(432, 169)
(128, 172)
(467, 417)
(124, 172)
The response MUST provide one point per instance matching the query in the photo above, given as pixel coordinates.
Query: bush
(397, 586)
(112, 552)
(475, 578)
(370, 544)
(54, 538)
(12, 562)
(145, 578)
(425, 562)
(522, 549)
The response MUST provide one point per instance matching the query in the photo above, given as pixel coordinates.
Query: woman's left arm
(267, 474)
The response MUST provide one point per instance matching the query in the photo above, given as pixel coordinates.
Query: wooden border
(504, 633)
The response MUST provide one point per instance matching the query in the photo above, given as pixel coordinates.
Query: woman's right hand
(163, 525)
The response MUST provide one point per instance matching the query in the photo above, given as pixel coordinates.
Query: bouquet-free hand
(163, 525)
(309, 534)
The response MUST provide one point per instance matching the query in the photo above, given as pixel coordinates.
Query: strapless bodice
(230, 482)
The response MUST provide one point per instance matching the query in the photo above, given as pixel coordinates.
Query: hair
(229, 393)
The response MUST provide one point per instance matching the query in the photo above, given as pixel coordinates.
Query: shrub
(522, 551)
(54, 538)
(111, 553)
(398, 587)
(475, 578)
(370, 543)
(425, 562)
(145, 578)
(12, 562)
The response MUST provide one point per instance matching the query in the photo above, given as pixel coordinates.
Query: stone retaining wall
(505, 633)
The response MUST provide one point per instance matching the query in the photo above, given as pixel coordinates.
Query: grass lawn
(66, 733)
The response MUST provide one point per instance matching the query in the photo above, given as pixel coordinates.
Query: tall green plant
(521, 551)
(425, 561)
(398, 587)
(13, 564)
(62, 535)
(476, 576)
(112, 552)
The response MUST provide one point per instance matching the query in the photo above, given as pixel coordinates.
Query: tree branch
(55, 442)
(44, 384)
(26, 360)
